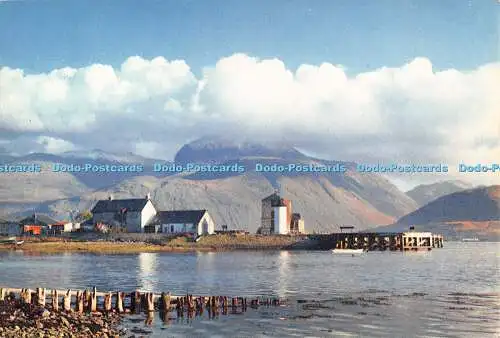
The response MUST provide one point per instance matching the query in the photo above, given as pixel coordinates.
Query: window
(171, 228)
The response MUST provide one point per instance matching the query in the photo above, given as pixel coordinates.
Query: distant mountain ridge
(468, 213)
(478, 204)
(326, 200)
(427, 193)
(98, 154)
(221, 149)
(92, 180)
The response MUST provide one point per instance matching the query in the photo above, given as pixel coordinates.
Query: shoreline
(120, 248)
(216, 243)
(29, 320)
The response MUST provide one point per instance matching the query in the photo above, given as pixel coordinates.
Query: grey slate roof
(38, 219)
(276, 200)
(272, 197)
(131, 204)
(178, 216)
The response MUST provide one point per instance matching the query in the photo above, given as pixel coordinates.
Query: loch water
(449, 292)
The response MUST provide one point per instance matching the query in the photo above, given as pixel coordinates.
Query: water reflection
(206, 275)
(148, 271)
(284, 273)
(446, 292)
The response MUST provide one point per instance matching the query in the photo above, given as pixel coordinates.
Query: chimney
(148, 196)
(110, 197)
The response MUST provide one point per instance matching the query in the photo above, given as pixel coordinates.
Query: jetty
(136, 302)
(378, 241)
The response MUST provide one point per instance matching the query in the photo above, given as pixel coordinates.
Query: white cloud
(147, 149)
(172, 105)
(54, 145)
(407, 114)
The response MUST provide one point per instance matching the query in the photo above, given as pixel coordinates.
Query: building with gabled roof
(196, 222)
(36, 224)
(132, 214)
(38, 219)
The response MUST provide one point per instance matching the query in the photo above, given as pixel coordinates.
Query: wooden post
(150, 302)
(86, 300)
(149, 318)
(135, 302)
(40, 296)
(189, 303)
(180, 308)
(55, 300)
(119, 302)
(26, 296)
(67, 301)
(144, 302)
(165, 302)
(215, 305)
(224, 305)
(93, 300)
(107, 302)
(79, 302)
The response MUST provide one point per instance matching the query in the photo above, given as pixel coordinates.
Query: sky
(390, 81)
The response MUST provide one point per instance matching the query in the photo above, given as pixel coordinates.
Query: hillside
(479, 204)
(326, 200)
(426, 193)
(38, 187)
(92, 180)
(235, 201)
(216, 149)
(469, 213)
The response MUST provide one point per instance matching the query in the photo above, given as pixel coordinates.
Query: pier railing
(372, 241)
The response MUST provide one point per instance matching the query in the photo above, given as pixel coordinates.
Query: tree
(84, 216)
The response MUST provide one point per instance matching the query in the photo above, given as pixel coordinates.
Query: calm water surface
(448, 292)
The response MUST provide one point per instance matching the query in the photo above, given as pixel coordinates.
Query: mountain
(235, 201)
(426, 193)
(468, 213)
(325, 199)
(38, 187)
(93, 180)
(479, 204)
(221, 149)
(101, 155)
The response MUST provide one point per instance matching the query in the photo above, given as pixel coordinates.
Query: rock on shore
(28, 320)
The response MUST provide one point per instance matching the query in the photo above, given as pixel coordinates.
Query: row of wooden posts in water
(138, 302)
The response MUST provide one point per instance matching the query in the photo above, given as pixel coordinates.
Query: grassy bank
(179, 244)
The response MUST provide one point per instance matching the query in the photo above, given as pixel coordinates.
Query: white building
(63, 226)
(132, 214)
(197, 222)
(281, 225)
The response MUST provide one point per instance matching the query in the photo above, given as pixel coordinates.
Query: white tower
(280, 217)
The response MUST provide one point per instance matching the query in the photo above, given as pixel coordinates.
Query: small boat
(348, 251)
(11, 240)
(475, 239)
